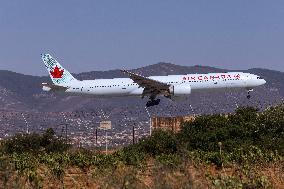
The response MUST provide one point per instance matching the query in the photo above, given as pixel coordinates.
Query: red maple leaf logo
(57, 73)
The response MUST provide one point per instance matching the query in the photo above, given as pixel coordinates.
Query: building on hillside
(170, 123)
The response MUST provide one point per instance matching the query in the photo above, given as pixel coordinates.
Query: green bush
(24, 162)
(160, 142)
(34, 143)
(169, 160)
(242, 129)
(132, 156)
(6, 170)
(246, 137)
(80, 160)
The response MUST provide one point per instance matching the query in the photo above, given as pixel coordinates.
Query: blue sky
(87, 35)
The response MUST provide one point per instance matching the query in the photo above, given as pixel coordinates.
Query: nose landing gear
(248, 95)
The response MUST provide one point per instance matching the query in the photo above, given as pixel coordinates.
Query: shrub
(169, 160)
(132, 156)
(246, 127)
(160, 142)
(34, 143)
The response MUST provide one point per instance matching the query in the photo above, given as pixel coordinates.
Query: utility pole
(96, 137)
(106, 141)
(66, 132)
(192, 110)
(27, 124)
(66, 128)
(133, 135)
(150, 120)
(236, 104)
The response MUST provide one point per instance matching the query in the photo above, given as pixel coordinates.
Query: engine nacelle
(179, 90)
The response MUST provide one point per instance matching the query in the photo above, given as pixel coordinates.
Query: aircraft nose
(263, 82)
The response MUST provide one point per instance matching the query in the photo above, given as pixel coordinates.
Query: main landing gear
(153, 102)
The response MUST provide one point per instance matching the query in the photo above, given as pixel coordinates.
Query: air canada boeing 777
(170, 86)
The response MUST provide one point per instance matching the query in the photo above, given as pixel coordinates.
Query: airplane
(170, 86)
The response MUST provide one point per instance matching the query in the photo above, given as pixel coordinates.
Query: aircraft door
(85, 90)
(123, 86)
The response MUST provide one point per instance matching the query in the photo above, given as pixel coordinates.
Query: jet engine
(179, 90)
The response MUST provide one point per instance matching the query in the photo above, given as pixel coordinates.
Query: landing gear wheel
(153, 103)
(157, 102)
(148, 104)
(248, 96)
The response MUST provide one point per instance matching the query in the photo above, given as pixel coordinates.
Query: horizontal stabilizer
(52, 87)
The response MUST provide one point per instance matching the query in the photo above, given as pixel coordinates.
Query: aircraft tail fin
(57, 73)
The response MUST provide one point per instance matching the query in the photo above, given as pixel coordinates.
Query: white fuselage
(192, 82)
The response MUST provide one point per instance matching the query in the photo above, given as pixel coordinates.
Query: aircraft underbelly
(108, 92)
(215, 88)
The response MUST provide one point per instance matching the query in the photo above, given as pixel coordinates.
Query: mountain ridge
(160, 64)
(25, 92)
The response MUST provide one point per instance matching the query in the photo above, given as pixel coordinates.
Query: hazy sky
(87, 35)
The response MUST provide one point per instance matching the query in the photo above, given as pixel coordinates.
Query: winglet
(130, 73)
(124, 71)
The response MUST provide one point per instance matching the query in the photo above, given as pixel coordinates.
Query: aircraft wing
(151, 87)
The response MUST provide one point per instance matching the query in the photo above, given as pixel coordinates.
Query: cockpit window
(259, 77)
